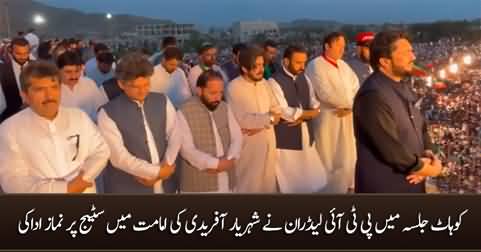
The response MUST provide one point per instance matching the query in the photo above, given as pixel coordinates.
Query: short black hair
(205, 46)
(383, 45)
(43, 50)
(270, 43)
(169, 41)
(69, 58)
(132, 66)
(238, 47)
(172, 53)
(248, 56)
(19, 41)
(207, 76)
(38, 69)
(331, 37)
(105, 57)
(99, 47)
(290, 50)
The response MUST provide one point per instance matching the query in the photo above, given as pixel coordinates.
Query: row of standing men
(292, 133)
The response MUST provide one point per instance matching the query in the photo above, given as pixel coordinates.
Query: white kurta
(174, 85)
(251, 104)
(196, 71)
(122, 159)
(298, 171)
(335, 141)
(202, 160)
(42, 156)
(85, 95)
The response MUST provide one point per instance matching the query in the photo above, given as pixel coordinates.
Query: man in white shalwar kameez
(207, 61)
(335, 84)
(256, 111)
(299, 167)
(47, 148)
(78, 91)
(169, 79)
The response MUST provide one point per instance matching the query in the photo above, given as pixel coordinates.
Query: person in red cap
(360, 64)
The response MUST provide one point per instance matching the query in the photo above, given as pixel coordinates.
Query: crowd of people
(266, 118)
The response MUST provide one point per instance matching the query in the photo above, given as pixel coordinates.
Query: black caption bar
(222, 222)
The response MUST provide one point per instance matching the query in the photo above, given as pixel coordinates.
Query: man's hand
(78, 185)
(415, 179)
(306, 116)
(310, 114)
(224, 165)
(276, 117)
(165, 172)
(431, 167)
(342, 112)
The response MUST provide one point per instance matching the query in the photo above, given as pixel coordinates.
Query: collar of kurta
(293, 77)
(49, 124)
(332, 62)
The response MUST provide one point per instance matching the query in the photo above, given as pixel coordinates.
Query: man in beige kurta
(256, 110)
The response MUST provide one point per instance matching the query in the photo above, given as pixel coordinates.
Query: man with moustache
(299, 167)
(393, 145)
(11, 65)
(257, 111)
(169, 79)
(212, 139)
(335, 84)
(360, 64)
(207, 61)
(78, 91)
(48, 148)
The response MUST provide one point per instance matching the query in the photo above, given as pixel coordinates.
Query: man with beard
(393, 145)
(78, 91)
(257, 111)
(207, 61)
(47, 148)
(212, 139)
(169, 79)
(360, 64)
(139, 127)
(335, 84)
(299, 168)
(11, 65)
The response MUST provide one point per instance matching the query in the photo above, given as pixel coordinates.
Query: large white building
(246, 31)
(181, 32)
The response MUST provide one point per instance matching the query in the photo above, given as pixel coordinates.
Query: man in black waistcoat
(299, 168)
(11, 65)
(393, 145)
